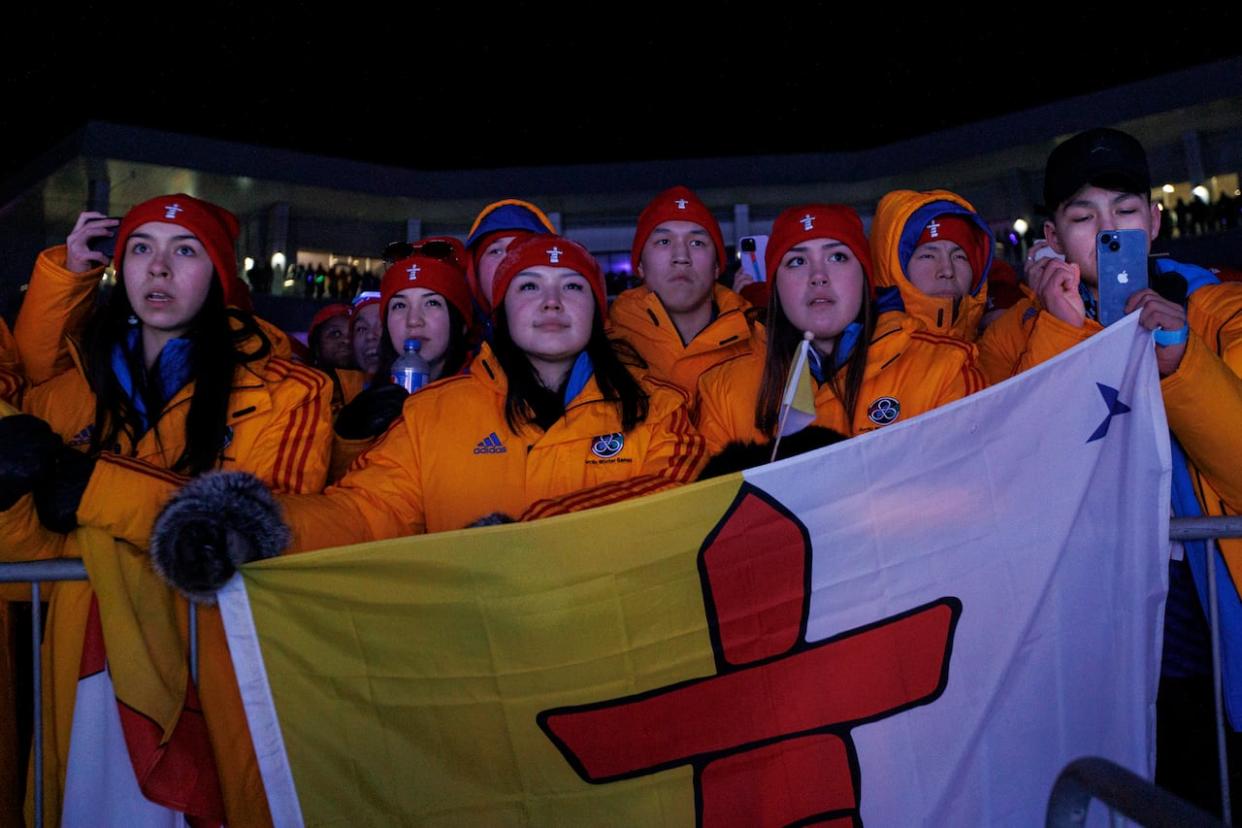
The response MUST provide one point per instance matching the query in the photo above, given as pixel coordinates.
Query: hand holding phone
(751, 250)
(92, 242)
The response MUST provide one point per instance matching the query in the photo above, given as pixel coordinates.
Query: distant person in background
(1004, 291)
(495, 228)
(332, 351)
(364, 331)
(328, 338)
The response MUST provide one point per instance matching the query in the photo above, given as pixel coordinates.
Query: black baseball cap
(1100, 157)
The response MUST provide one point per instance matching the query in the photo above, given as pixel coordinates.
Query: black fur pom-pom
(214, 524)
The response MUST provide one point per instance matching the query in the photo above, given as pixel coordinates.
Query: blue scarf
(171, 372)
(579, 376)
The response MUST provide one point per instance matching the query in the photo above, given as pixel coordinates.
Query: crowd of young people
(544, 399)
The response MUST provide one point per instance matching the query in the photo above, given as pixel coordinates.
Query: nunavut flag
(921, 625)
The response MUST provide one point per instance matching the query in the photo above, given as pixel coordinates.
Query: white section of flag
(1057, 548)
(256, 693)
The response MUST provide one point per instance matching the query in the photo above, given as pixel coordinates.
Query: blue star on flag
(1115, 407)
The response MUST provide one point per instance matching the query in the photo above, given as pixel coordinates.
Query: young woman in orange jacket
(869, 373)
(424, 296)
(169, 382)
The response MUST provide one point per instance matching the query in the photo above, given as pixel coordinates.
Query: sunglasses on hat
(433, 249)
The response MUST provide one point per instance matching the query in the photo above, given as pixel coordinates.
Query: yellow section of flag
(419, 665)
(798, 402)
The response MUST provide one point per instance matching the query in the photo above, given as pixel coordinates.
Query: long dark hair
(216, 336)
(783, 338)
(528, 401)
(454, 355)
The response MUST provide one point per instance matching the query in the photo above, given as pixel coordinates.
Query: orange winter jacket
(909, 371)
(280, 431)
(638, 317)
(452, 459)
(55, 309)
(899, 220)
(1202, 398)
(11, 371)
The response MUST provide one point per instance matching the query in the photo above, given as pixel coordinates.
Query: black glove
(28, 449)
(214, 524)
(59, 493)
(371, 412)
(738, 456)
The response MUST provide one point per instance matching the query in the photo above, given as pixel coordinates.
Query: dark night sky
(448, 86)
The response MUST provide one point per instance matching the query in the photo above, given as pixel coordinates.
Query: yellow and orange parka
(899, 220)
(12, 374)
(451, 459)
(278, 429)
(1202, 398)
(909, 372)
(638, 317)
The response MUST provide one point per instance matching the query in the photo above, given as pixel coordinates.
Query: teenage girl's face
(550, 311)
(422, 314)
(820, 284)
(367, 337)
(167, 275)
(489, 260)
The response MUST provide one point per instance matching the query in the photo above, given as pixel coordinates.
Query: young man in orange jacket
(680, 320)
(1096, 181)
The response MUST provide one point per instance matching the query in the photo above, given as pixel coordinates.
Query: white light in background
(1020, 227)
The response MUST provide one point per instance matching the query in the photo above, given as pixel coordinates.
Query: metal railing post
(1222, 757)
(192, 636)
(36, 636)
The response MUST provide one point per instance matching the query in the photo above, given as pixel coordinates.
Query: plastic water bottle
(410, 370)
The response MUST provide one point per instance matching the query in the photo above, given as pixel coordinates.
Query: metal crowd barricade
(1123, 792)
(1077, 784)
(35, 573)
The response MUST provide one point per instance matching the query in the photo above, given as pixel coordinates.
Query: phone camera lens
(1113, 246)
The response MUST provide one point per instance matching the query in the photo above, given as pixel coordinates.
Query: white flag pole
(791, 389)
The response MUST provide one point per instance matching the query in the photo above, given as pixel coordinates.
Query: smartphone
(106, 244)
(751, 250)
(1121, 262)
